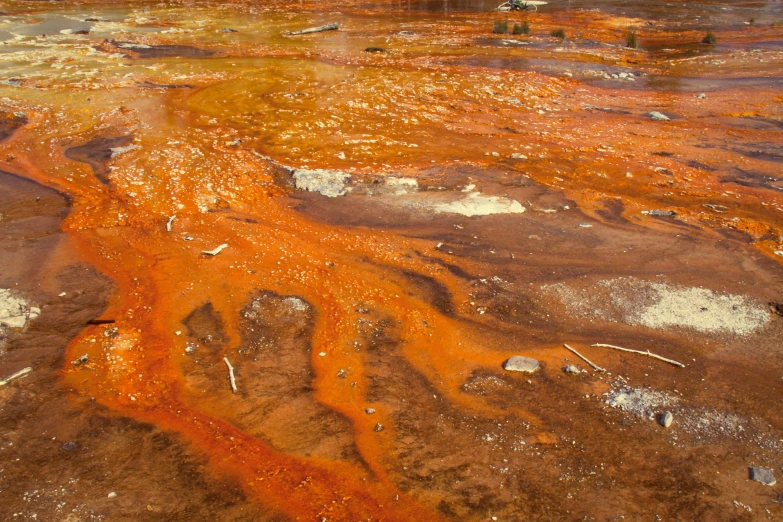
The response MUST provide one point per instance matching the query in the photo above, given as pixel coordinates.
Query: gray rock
(228, 30)
(378, 427)
(658, 116)
(659, 213)
(369, 411)
(701, 96)
(666, 419)
(573, 369)
(763, 475)
(519, 363)
(80, 360)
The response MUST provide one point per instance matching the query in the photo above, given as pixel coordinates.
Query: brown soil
(367, 331)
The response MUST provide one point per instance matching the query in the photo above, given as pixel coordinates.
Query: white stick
(585, 359)
(320, 29)
(648, 353)
(231, 375)
(214, 252)
(168, 225)
(20, 373)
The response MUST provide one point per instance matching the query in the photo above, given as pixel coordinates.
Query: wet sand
(397, 225)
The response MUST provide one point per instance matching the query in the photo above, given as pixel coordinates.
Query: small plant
(752, 21)
(501, 27)
(709, 38)
(558, 33)
(521, 29)
(630, 39)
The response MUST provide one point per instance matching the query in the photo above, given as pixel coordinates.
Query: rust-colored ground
(128, 152)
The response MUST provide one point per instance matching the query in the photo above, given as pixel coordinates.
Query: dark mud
(159, 51)
(62, 457)
(97, 152)
(279, 408)
(9, 122)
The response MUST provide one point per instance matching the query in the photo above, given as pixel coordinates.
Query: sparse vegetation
(558, 33)
(501, 27)
(709, 38)
(630, 40)
(521, 29)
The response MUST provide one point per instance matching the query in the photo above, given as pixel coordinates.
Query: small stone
(228, 30)
(80, 360)
(69, 446)
(378, 427)
(572, 369)
(585, 225)
(369, 411)
(659, 213)
(779, 253)
(658, 116)
(517, 155)
(375, 50)
(763, 476)
(701, 96)
(666, 419)
(63, 294)
(519, 363)
(341, 374)
(112, 495)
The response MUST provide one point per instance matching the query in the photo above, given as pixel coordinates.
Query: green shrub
(709, 38)
(630, 39)
(501, 27)
(558, 33)
(521, 29)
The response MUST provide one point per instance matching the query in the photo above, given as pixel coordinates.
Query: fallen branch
(648, 353)
(585, 359)
(20, 373)
(320, 29)
(231, 375)
(214, 252)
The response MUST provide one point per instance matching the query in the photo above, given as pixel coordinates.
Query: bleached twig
(585, 359)
(168, 225)
(215, 251)
(320, 29)
(648, 353)
(231, 375)
(20, 373)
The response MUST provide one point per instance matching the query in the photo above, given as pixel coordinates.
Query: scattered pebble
(112, 495)
(369, 411)
(378, 427)
(658, 116)
(572, 369)
(519, 363)
(585, 225)
(666, 419)
(763, 476)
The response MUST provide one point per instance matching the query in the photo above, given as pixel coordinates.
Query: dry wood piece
(168, 225)
(320, 29)
(647, 353)
(215, 251)
(585, 359)
(20, 373)
(231, 375)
